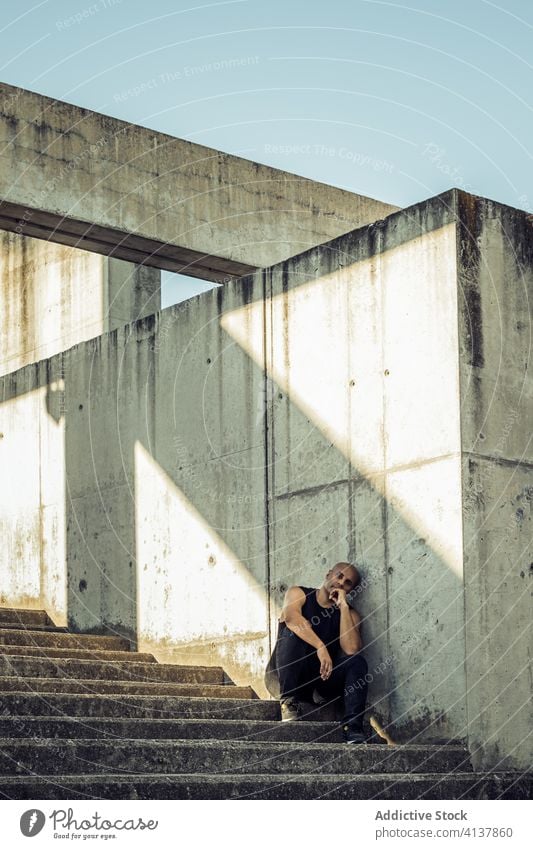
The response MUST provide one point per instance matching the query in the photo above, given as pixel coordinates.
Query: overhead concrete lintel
(115, 243)
(82, 178)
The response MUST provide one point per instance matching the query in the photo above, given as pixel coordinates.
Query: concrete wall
(360, 463)
(156, 510)
(496, 294)
(145, 197)
(322, 409)
(52, 296)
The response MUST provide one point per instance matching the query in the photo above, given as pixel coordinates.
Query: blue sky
(394, 100)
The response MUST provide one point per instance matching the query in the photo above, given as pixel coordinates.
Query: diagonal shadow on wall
(218, 451)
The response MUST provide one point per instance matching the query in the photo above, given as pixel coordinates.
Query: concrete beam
(87, 180)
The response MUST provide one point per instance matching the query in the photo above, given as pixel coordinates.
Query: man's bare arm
(291, 614)
(349, 634)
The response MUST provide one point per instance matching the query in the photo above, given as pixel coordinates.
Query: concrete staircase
(83, 717)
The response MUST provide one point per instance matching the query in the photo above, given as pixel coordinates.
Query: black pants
(294, 670)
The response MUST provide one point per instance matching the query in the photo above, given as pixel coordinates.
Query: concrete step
(23, 637)
(216, 757)
(111, 671)
(392, 786)
(163, 707)
(98, 687)
(24, 617)
(20, 626)
(78, 654)
(169, 729)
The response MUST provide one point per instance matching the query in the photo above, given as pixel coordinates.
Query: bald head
(351, 571)
(342, 574)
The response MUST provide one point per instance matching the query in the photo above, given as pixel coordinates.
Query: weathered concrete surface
(496, 295)
(145, 197)
(223, 746)
(214, 757)
(15, 665)
(52, 296)
(88, 686)
(128, 706)
(60, 639)
(23, 618)
(170, 729)
(195, 456)
(76, 654)
(279, 786)
(230, 446)
(360, 464)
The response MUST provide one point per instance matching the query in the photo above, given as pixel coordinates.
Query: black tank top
(325, 621)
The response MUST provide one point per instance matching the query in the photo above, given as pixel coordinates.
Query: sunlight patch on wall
(32, 507)
(359, 352)
(190, 585)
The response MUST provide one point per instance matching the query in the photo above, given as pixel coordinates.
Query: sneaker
(291, 710)
(353, 735)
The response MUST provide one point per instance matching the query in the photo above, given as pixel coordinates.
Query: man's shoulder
(295, 592)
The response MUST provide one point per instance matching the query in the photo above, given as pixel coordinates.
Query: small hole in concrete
(83, 585)
(80, 407)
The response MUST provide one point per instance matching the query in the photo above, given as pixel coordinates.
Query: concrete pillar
(53, 296)
(495, 296)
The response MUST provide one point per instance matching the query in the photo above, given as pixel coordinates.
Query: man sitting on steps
(317, 650)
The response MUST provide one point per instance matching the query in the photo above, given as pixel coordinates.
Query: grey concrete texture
(134, 728)
(142, 196)
(150, 707)
(14, 665)
(216, 757)
(170, 744)
(300, 396)
(60, 639)
(201, 450)
(51, 629)
(13, 616)
(496, 293)
(90, 686)
(94, 655)
(52, 297)
(348, 478)
(395, 787)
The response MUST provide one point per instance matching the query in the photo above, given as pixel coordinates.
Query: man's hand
(326, 663)
(338, 597)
